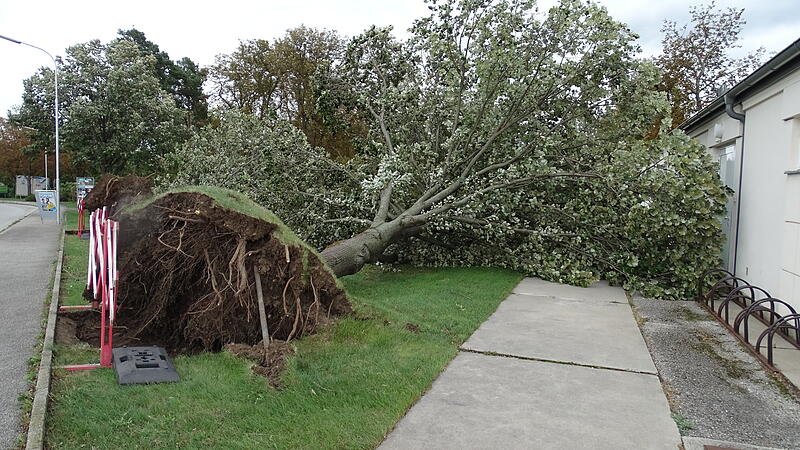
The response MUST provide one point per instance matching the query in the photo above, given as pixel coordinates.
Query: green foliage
(346, 387)
(67, 191)
(684, 424)
(649, 225)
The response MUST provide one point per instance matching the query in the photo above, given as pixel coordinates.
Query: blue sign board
(46, 202)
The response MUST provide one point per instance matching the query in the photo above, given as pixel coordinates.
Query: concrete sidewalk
(554, 367)
(27, 252)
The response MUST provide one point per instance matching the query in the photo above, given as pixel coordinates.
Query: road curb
(35, 439)
(14, 202)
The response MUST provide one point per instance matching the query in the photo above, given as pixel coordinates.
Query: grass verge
(346, 387)
(73, 271)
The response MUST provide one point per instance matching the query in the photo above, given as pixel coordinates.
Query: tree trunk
(349, 256)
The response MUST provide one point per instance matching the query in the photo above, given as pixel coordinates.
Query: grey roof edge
(767, 70)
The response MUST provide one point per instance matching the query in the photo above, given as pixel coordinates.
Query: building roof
(779, 66)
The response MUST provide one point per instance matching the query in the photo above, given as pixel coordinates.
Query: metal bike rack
(758, 308)
(787, 322)
(739, 296)
(717, 289)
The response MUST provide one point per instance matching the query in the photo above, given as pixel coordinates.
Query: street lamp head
(9, 39)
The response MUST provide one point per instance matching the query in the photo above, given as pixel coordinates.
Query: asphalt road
(10, 212)
(28, 250)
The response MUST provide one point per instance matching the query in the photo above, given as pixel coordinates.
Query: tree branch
(383, 205)
(519, 182)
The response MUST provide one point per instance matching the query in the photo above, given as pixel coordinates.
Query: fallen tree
(187, 259)
(498, 136)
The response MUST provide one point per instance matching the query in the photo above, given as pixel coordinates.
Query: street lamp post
(58, 173)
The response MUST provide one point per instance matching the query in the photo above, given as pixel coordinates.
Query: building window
(796, 142)
(794, 149)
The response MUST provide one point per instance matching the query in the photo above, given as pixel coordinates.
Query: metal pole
(262, 315)
(58, 165)
(58, 172)
(45, 170)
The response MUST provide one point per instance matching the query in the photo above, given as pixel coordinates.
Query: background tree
(279, 79)
(14, 159)
(115, 115)
(696, 58)
(37, 111)
(182, 78)
(496, 136)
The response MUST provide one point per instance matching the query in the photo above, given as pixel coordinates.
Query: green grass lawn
(73, 280)
(71, 216)
(73, 270)
(346, 387)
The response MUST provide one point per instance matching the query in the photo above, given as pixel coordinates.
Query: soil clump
(269, 366)
(116, 192)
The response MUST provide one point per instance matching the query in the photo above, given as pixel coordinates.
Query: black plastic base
(143, 365)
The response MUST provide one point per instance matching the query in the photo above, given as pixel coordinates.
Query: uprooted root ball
(116, 192)
(187, 280)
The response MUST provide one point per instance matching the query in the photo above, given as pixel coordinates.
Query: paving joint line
(570, 299)
(555, 361)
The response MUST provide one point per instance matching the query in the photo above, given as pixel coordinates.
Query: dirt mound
(116, 193)
(187, 262)
(269, 365)
(66, 330)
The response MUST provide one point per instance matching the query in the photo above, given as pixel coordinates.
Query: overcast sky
(201, 30)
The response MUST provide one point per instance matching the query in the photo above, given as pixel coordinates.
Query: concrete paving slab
(489, 402)
(546, 327)
(598, 292)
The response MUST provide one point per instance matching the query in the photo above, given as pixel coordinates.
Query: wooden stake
(262, 314)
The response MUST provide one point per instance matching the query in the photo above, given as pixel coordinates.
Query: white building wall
(790, 254)
(762, 195)
(769, 234)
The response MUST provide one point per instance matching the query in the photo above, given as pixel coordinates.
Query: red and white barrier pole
(101, 279)
(80, 217)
